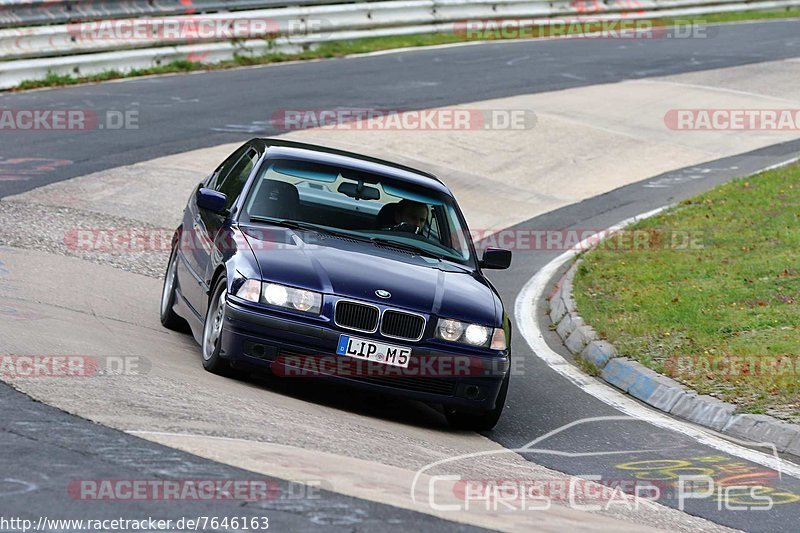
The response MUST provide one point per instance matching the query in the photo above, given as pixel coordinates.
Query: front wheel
(169, 318)
(480, 421)
(213, 330)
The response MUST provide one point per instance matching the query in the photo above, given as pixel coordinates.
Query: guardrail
(90, 47)
(14, 13)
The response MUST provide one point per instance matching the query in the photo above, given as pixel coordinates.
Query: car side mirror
(496, 258)
(211, 200)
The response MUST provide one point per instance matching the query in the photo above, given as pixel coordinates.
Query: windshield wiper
(296, 224)
(292, 224)
(406, 247)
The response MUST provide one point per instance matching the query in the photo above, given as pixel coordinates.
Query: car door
(201, 227)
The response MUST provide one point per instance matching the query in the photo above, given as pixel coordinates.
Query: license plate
(373, 351)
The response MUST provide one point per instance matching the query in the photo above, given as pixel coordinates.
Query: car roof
(332, 156)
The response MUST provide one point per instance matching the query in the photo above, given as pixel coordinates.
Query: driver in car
(410, 216)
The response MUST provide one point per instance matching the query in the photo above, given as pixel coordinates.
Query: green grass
(344, 48)
(740, 16)
(734, 293)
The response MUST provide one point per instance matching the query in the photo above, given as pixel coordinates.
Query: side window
(232, 183)
(225, 168)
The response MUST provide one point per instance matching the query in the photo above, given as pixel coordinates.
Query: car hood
(356, 269)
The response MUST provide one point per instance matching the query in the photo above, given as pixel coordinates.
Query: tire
(170, 319)
(213, 331)
(481, 421)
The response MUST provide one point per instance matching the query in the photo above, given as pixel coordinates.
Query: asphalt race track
(532, 400)
(179, 113)
(184, 112)
(39, 441)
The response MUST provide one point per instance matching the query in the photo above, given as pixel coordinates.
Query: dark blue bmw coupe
(310, 261)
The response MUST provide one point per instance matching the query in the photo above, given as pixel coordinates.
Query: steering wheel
(405, 227)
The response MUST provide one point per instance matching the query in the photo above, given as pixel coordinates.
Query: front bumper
(292, 347)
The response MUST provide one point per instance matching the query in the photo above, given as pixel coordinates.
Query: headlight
(304, 300)
(451, 330)
(275, 294)
(281, 296)
(476, 335)
(291, 298)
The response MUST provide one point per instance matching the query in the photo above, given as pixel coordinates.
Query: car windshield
(340, 200)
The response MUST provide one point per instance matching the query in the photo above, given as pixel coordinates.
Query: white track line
(528, 301)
